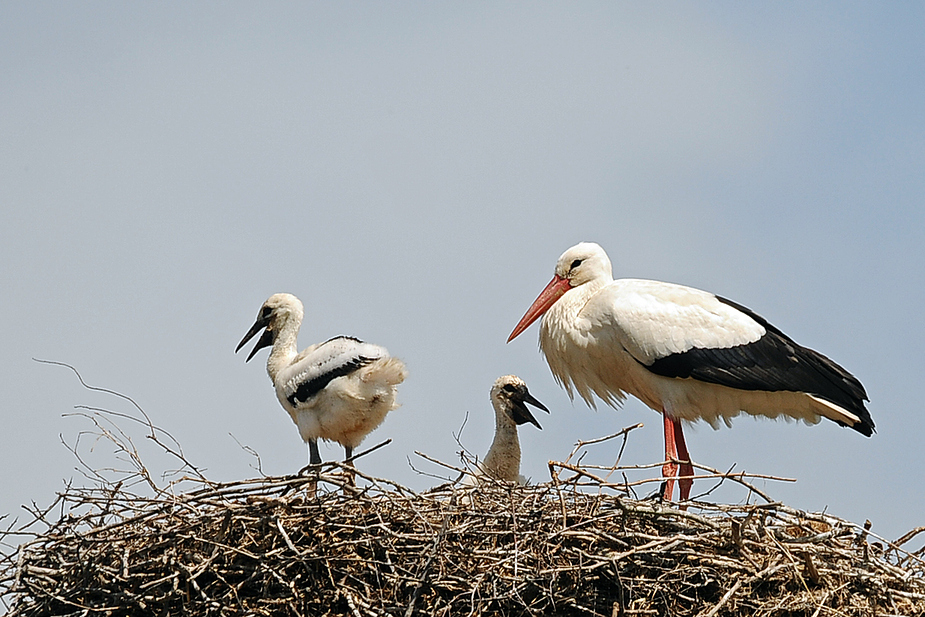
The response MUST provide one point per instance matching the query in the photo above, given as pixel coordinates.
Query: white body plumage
(613, 334)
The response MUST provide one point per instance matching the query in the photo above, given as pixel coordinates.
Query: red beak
(557, 286)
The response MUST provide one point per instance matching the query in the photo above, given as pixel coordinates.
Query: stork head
(509, 395)
(583, 263)
(277, 310)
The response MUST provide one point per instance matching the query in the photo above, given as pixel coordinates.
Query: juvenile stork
(339, 390)
(685, 353)
(509, 396)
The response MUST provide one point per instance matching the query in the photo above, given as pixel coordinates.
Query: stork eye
(575, 264)
(509, 388)
(265, 312)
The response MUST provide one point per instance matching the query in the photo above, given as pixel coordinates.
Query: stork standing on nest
(339, 390)
(685, 353)
(509, 396)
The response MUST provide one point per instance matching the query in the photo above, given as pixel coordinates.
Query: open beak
(522, 415)
(557, 286)
(265, 341)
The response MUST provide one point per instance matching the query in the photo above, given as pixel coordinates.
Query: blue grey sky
(412, 171)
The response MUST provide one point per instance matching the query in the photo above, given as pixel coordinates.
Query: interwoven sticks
(314, 544)
(268, 547)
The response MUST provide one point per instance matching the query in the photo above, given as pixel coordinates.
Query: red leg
(670, 468)
(676, 450)
(687, 469)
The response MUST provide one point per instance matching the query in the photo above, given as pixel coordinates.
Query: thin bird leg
(314, 458)
(676, 450)
(687, 469)
(670, 468)
(350, 477)
(314, 455)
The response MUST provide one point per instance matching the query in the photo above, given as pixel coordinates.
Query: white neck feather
(503, 459)
(285, 347)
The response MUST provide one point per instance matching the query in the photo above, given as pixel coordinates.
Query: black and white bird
(686, 353)
(339, 390)
(509, 397)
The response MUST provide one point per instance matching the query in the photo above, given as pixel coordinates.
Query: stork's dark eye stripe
(575, 264)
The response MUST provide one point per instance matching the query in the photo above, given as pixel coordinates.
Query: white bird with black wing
(686, 353)
(339, 390)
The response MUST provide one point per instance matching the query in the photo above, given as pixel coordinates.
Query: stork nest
(316, 545)
(320, 544)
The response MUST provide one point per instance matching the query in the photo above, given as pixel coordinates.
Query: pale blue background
(412, 171)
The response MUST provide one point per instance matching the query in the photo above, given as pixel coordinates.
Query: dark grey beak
(265, 341)
(522, 415)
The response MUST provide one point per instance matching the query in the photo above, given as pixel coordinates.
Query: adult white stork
(339, 390)
(509, 397)
(686, 353)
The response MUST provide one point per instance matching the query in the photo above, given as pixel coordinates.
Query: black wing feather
(772, 363)
(310, 388)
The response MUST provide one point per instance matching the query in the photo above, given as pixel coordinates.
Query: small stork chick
(339, 390)
(509, 396)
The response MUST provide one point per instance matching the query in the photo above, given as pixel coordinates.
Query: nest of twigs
(318, 543)
(275, 545)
